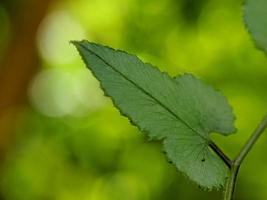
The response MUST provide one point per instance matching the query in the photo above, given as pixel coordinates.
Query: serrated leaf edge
(77, 43)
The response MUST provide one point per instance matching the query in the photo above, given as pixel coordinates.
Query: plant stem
(251, 141)
(235, 165)
(230, 186)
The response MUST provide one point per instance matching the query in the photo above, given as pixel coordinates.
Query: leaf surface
(181, 111)
(256, 21)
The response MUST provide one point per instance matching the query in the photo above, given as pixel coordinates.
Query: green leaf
(256, 21)
(182, 111)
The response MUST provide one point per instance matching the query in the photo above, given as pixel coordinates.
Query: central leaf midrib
(144, 91)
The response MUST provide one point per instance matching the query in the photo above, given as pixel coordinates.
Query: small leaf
(256, 21)
(182, 111)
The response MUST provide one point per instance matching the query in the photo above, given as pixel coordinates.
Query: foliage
(182, 111)
(256, 21)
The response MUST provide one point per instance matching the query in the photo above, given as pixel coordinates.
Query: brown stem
(19, 63)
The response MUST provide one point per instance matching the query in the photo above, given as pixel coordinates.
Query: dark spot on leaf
(203, 160)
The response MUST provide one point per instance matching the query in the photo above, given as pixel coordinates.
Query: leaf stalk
(221, 154)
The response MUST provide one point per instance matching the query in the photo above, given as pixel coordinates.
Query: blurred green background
(61, 139)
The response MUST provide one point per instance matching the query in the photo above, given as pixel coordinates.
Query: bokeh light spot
(54, 35)
(57, 92)
(52, 93)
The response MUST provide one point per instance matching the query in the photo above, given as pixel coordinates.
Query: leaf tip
(77, 43)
